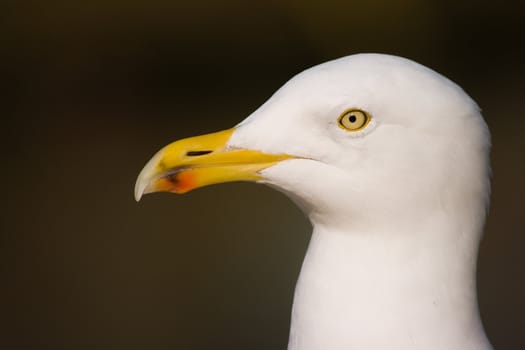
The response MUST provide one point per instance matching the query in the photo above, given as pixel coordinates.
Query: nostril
(197, 153)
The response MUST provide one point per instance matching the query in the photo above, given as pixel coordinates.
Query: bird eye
(353, 120)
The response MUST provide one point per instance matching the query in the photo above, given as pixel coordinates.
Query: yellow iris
(354, 120)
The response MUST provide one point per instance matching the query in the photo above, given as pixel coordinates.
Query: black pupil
(352, 118)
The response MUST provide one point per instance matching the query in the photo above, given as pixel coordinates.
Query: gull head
(364, 140)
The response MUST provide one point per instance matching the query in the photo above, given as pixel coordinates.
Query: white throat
(388, 290)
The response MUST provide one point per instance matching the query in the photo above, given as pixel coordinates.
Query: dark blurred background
(91, 89)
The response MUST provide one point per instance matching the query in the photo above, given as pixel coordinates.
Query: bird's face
(345, 139)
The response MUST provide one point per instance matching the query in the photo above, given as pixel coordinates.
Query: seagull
(389, 160)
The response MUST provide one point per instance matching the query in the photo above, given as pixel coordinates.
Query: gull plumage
(397, 206)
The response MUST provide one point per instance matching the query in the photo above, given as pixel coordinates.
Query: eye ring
(353, 120)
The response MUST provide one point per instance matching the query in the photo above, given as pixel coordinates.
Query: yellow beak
(199, 161)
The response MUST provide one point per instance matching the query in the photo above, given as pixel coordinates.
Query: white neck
(388, 290)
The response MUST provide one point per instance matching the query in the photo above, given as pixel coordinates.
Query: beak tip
(141, 186)
(145, 177)
(139, 191)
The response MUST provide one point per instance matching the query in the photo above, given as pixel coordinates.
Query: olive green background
(92, 89)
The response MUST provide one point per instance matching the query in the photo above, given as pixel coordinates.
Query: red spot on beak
(178, 182)
(185, 181)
